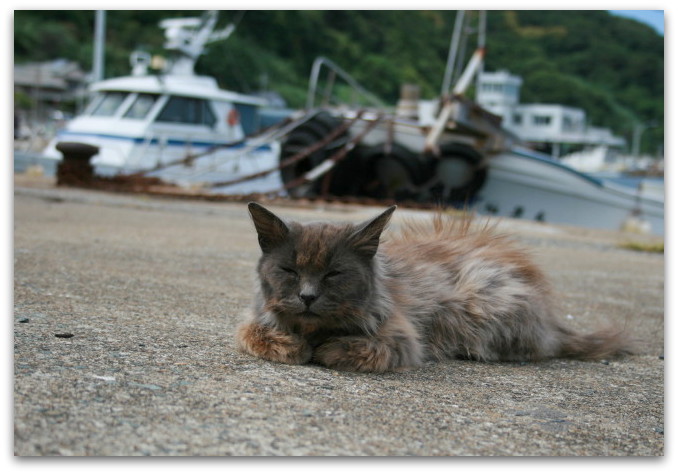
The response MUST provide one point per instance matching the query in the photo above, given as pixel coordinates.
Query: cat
(334, 295)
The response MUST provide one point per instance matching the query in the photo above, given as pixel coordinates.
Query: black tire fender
(467, 161)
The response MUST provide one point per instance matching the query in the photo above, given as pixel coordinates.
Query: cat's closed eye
(331, 274)
(289, 271)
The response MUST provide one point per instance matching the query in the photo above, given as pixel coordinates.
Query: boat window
(109, 104)
(93, 104)
(541, 120)
(187, 110)
(492, 87)
(141, 106)
(249, 117)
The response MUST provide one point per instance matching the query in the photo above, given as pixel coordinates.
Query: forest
(610, 66)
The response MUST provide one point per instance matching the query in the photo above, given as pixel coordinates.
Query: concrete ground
(152, 289)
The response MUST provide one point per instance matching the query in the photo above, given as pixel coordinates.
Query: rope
(294, 158)
(330, 162)
(275, 133)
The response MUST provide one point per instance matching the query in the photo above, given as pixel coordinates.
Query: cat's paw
(359, 354)
(271, 344)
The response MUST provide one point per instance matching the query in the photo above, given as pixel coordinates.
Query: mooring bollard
(75, 168)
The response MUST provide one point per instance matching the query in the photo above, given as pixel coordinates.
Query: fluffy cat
(334, 295)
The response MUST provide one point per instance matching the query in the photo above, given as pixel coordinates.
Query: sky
(654, 18)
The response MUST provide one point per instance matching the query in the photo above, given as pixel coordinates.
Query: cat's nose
(308, 298)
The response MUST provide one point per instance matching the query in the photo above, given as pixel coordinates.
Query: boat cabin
(152, 118)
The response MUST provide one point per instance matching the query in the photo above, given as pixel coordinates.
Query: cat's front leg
(364, 354)
(272, 344)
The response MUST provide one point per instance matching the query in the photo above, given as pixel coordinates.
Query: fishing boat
(176, 125)
(185, 130)
(455, 152)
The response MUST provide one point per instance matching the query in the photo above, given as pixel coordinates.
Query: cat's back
(442, 238)
(452, 246)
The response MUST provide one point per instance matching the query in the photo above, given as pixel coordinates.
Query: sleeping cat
(334, 295)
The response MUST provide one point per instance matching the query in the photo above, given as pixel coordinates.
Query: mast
(482, 36)
(452, 53)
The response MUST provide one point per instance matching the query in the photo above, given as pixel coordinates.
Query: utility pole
(638, 130)
(99, 45)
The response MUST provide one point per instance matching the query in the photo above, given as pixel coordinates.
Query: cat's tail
(603, 344)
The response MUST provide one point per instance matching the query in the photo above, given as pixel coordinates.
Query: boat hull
(530, 187)
(188, 164)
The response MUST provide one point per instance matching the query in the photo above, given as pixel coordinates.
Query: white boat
(595, 159)
(175, 125)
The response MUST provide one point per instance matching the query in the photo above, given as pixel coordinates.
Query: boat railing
(333, 70)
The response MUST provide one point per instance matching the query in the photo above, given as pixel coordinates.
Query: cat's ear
(272, 231)
(365, 239)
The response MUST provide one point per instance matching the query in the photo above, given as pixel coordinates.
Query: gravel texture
(125, 309)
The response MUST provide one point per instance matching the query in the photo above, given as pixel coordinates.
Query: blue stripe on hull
(64, 135)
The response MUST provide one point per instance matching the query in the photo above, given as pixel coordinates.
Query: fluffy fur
(333, 294)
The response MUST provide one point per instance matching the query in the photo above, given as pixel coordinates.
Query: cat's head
(318, 274)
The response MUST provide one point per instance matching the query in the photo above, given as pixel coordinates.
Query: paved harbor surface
(124, 314)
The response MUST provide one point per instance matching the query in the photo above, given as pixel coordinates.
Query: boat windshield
(187, 110)
(108, 104)
(141, 106)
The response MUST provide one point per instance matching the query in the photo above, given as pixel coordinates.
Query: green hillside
(610, 66)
